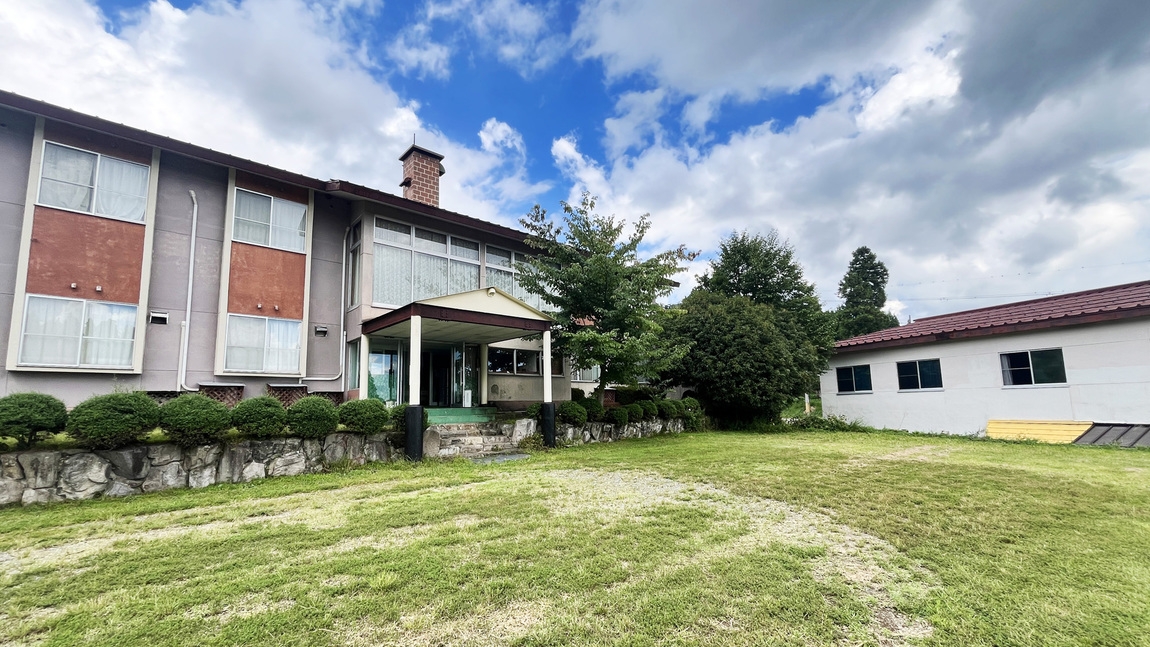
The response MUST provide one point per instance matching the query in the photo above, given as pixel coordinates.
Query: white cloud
(638, 119)
(276, 81)
(414, 54)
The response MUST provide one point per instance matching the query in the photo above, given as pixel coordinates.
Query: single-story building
(129, 260)
(1050, 368)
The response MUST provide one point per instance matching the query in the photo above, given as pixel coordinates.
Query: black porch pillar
(548, 415)
(413, 420)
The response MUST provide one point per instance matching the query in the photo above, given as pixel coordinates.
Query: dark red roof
(1077, 308)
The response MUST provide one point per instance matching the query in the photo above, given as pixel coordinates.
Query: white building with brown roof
(1051, 369)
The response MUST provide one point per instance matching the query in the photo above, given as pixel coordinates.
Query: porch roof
(483, 316)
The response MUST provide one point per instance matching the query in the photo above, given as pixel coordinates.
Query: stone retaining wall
(73, 474)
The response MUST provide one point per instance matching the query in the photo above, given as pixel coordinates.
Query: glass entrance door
(385, 372)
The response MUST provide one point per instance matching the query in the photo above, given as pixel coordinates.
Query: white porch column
(413, 370)
(547, 366)
(482, 374)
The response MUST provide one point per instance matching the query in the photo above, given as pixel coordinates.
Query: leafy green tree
(747, 360)
(602, 295)
(764, 270)
(863, 289)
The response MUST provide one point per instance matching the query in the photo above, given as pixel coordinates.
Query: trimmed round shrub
(679, 409)
(261, 417)
(28, 417)
(571, 413)
(312, 417)
(113, 420)
(364, 416)
(635, 412)
(691, 405)
(535, 411)
(667, 409)
(193, 419)
(617, 416)
(650, 409)
(578, 394)
(594, 409)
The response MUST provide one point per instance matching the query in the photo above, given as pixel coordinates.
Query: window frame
(80, 346)
(516, 259)
(1034, 383)
(354, 265)
(515, 362)
(267, 340)
(918, 376)
(95, 186)
(271, 215)
(854, 379)
(577, 374)
(411, 247)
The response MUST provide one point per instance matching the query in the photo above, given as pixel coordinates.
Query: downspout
(185, 333)
(342, 318)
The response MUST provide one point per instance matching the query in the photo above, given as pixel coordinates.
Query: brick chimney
(421, 171)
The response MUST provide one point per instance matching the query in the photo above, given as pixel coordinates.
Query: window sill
(1023, 387)
(283, 375)
(122, 370)
(938, 390)
(92, 213)
(278, 249)
(854, 392)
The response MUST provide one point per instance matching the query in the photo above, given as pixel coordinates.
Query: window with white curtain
(413, 263)
(502, 274)
(266, 220)
(79, 180)
(77, 333)
(262, 345)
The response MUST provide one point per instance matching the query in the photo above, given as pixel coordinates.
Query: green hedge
(261, 417)
(193, 419)
(364, 416)
(312, 417)
(28, 417)
(571, 413)
(594, 409)
(617, 416)
(667, 409)
(113, 420)
(650, 409)
(635, 412)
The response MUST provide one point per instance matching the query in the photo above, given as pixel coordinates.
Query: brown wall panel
(271, 187)
(89, 251)
(272, 277)
(91, 140)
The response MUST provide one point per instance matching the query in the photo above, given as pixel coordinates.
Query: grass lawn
(802, 538)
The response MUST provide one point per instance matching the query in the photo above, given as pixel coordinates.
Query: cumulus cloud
(282, 82)
(415, 54)
(966, 178)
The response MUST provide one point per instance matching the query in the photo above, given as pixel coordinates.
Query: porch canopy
(483, 316)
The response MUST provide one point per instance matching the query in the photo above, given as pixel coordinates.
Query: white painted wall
(1107, 375)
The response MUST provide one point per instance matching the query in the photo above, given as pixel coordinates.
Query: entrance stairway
(460, 416)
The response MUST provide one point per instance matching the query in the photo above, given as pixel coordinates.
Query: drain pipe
(342, 319)
(185, 333)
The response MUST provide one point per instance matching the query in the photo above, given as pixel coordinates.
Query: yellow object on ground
(1047, 431)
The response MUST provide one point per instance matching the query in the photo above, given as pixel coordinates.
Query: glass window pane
(252, 223)
(430, 276)
(464, 249)
(1048, 366)
(527, 362)
(283, 346)
(391, 284)
(498, 257)
(1015, 369)
(430, 241)
(122, 190)
(108, 333)
(500, 360)
(289, 225)
(556, 364)
(246, 343)
(353, 364)
(907, 375)
(862, 378)
(67, 178)
(52, 330)
(464, 277)
(387, 231)
(846, 379)
(930, 374)
(502, 279)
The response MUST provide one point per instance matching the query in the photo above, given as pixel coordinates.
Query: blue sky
(987, 151)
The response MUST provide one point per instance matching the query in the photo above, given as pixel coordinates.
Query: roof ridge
(1037, 300)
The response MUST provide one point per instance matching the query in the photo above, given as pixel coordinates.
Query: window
(78, 180)
(585, 374)
(412, 264)
(501, 273)
(262, 345)
(921, 374)
(853, 378)
(274, 222)
(353, 266)
(1033, 367)
(77, 333)
(353, 365)
(556, 364)
(514, 361)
